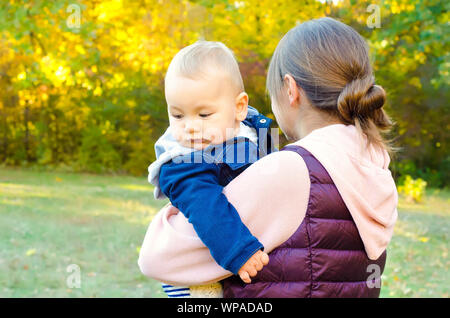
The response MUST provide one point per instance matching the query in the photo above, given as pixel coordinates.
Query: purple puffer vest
(325, 257)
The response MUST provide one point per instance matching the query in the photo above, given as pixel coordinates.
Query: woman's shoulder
(279, 177)
(281, 165)
(271, 196)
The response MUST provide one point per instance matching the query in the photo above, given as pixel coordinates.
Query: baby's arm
(194, 189)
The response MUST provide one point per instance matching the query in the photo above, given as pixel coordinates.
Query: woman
(324, 206)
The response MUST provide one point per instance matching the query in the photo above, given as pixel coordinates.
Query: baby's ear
(241, 106)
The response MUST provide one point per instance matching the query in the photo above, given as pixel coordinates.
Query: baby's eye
(177, 116)
(205, 115)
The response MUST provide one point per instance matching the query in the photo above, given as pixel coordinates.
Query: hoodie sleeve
(270, 196)
(166, 149)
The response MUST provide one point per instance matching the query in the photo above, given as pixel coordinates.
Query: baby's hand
(253, 265)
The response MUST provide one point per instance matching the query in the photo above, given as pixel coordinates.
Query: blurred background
(82, 103)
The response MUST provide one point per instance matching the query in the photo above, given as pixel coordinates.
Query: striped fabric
(176, 291)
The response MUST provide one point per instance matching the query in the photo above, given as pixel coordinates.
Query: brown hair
(329, 60)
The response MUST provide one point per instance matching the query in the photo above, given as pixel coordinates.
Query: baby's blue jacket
(193, 180)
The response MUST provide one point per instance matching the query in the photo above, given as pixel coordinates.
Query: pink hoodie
(271, 197)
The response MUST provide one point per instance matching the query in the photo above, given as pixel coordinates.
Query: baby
(213, 136)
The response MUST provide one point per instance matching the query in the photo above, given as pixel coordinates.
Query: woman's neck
(312, 119)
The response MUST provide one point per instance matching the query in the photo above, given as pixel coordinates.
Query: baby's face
(201, 111)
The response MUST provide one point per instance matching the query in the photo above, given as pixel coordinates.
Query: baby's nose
(192, 126)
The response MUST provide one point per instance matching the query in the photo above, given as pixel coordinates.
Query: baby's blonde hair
(196, 60)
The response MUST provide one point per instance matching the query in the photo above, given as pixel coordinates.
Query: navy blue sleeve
(194, 189)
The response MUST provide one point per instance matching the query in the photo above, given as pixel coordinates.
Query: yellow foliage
(98, 91)
(413, 189)
(123, 48)
(415, 81)
(30, 252)
(22, 76)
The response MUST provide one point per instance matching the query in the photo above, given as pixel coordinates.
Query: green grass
(418, 263)
(49, 220)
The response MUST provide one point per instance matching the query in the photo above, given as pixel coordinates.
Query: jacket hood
(363, 179)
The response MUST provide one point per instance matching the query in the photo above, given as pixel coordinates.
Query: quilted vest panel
(325, 256)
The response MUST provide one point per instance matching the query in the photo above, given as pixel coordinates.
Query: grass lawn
(417, 263)
(51, 220)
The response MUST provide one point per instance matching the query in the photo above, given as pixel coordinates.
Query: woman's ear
(292, 90)
(241, 106)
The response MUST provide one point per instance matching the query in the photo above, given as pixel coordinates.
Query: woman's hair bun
(360, 98)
